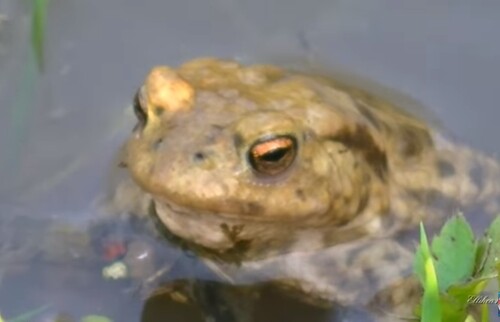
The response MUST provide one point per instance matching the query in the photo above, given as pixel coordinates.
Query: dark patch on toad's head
(360, 140)
(300, 194)
(413, 141)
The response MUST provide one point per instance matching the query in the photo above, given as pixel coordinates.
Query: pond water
(60, 129)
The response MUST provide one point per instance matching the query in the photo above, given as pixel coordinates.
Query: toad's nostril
(159, 111)
(157, 144)
(199, 156)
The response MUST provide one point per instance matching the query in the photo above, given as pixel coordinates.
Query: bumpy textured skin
(364, 170)
(360, 160)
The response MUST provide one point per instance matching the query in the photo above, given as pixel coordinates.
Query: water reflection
(201, 300)
(63, 264)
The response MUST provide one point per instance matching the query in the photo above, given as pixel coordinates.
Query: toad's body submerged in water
(263, 162)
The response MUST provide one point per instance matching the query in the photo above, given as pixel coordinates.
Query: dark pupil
(272, 156)
(275, 155)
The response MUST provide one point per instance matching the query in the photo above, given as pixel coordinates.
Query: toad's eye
(273, 155)
(139, 109)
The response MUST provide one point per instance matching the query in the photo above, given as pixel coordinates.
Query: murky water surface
(60, 129)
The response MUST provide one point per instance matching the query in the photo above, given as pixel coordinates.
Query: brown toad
(272, 165)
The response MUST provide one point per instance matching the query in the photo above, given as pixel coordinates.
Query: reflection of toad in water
(295, 177)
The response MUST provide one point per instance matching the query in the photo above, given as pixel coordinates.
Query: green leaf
(95, 318)
(485, 314)
(421, 255)
(38, 19)
(28, 316)
(489, 250)
(462, 292)
(498, 275)
(470, 318)
(452, 310)
(482, 251)
(455, 301)
(463, 268)
(454, 252)
(424, 267)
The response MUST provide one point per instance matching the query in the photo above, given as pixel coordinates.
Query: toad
(294, 173)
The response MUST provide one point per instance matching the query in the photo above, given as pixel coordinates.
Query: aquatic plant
(456, 268)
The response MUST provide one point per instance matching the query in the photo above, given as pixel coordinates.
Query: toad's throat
(215, 231)
(235, 239)
(229, 247)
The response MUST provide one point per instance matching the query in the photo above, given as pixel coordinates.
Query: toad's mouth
(234, 239)
(219, 232)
